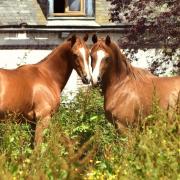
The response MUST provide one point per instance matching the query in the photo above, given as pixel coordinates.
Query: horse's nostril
(85, 80)
(99, 78)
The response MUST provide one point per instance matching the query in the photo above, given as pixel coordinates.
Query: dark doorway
(59, 6)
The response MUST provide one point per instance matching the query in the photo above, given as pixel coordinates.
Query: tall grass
(81, 144)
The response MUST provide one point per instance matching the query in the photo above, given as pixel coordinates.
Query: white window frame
(67, 11)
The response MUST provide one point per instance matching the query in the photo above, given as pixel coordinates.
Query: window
(71, 7)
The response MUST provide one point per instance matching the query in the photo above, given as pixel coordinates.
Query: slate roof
(16, 12)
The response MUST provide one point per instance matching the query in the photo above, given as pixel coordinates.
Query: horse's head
(100, 58)
(80, 54)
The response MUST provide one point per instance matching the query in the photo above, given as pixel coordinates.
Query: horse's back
(168, 90)
(163, 89)
(135, 96)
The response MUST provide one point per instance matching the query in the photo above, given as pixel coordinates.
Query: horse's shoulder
(126, 92)
(122, 104)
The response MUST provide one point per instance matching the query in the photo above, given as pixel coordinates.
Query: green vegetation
(81, 144)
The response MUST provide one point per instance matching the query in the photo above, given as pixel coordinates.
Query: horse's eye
(107, 59)
(75, 56)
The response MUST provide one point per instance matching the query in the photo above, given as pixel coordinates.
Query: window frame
(71, 13)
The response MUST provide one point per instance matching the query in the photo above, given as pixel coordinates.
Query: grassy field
(81, 144)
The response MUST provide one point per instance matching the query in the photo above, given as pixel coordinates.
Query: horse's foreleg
(41, 125)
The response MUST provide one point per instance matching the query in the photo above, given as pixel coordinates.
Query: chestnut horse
(34, 90)
(128, 91)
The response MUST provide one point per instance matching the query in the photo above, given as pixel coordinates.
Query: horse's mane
(133, 72)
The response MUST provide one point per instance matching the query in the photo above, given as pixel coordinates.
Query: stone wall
(102, 12)
(17, 12)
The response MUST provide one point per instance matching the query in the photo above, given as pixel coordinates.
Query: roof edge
(43, 28)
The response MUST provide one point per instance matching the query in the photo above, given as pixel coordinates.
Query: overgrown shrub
(81, 144)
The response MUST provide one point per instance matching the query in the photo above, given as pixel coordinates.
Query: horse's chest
(48, 95)
(121, 106)
(46, 100)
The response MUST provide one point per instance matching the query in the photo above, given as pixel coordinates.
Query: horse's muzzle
(85, 80)
(97, 82)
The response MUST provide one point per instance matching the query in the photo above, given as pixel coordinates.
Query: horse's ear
(85, 38)
(72, 39)
(108, 40)
(94, 38)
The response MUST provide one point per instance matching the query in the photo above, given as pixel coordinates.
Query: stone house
(30, 29)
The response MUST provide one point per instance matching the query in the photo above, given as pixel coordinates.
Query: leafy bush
(81, 144)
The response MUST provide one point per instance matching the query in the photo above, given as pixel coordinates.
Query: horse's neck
(58, 65)
(118, 69)
(121, 71)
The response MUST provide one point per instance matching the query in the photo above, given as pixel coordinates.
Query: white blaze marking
(96, 72)
(90, 67)
(83, 53)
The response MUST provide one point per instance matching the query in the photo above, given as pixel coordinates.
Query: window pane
(89, 8)
(74, 5)
(51, 6)
(59, 6)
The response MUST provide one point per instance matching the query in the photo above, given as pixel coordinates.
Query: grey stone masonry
(16, 12)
